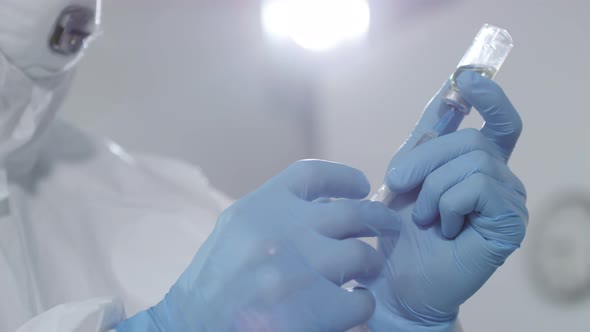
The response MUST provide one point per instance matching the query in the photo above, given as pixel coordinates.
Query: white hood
(35, 74)
(26, 27)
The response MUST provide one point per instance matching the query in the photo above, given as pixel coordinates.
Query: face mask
(26, 105)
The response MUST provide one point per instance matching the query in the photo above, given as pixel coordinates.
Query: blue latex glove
(277, 258)
(463, 213)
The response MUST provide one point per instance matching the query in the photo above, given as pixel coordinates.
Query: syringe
(487, 53)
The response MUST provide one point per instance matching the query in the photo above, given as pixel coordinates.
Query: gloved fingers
(313, 179)
(437, 183)
(497, 211)
(349, 308)
(432, 113)
(503, 125)
(322, 306)
(343, 219)
(289, 295)
(342, 261)
(412, 170)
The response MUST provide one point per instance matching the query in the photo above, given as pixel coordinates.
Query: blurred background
(222, 84)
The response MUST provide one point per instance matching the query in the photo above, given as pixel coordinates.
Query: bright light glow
(317, 24)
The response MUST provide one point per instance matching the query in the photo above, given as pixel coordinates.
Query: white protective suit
(88, 233)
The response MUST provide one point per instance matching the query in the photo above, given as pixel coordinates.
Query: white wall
(374, 95)
(193, 80)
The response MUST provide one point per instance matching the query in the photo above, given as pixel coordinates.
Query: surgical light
(317, 25)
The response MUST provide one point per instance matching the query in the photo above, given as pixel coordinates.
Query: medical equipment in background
(487, 53)
(559, 253)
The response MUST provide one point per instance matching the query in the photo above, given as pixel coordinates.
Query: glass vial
(487, 53)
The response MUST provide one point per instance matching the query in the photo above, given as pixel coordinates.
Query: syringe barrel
(486, 55)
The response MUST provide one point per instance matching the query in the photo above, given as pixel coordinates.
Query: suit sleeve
(93, 315)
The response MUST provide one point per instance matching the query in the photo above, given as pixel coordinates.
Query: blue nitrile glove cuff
(143, 321)
(154, 319)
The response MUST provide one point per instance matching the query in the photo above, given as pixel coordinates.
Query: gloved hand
(463, 213)
(277, 258)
